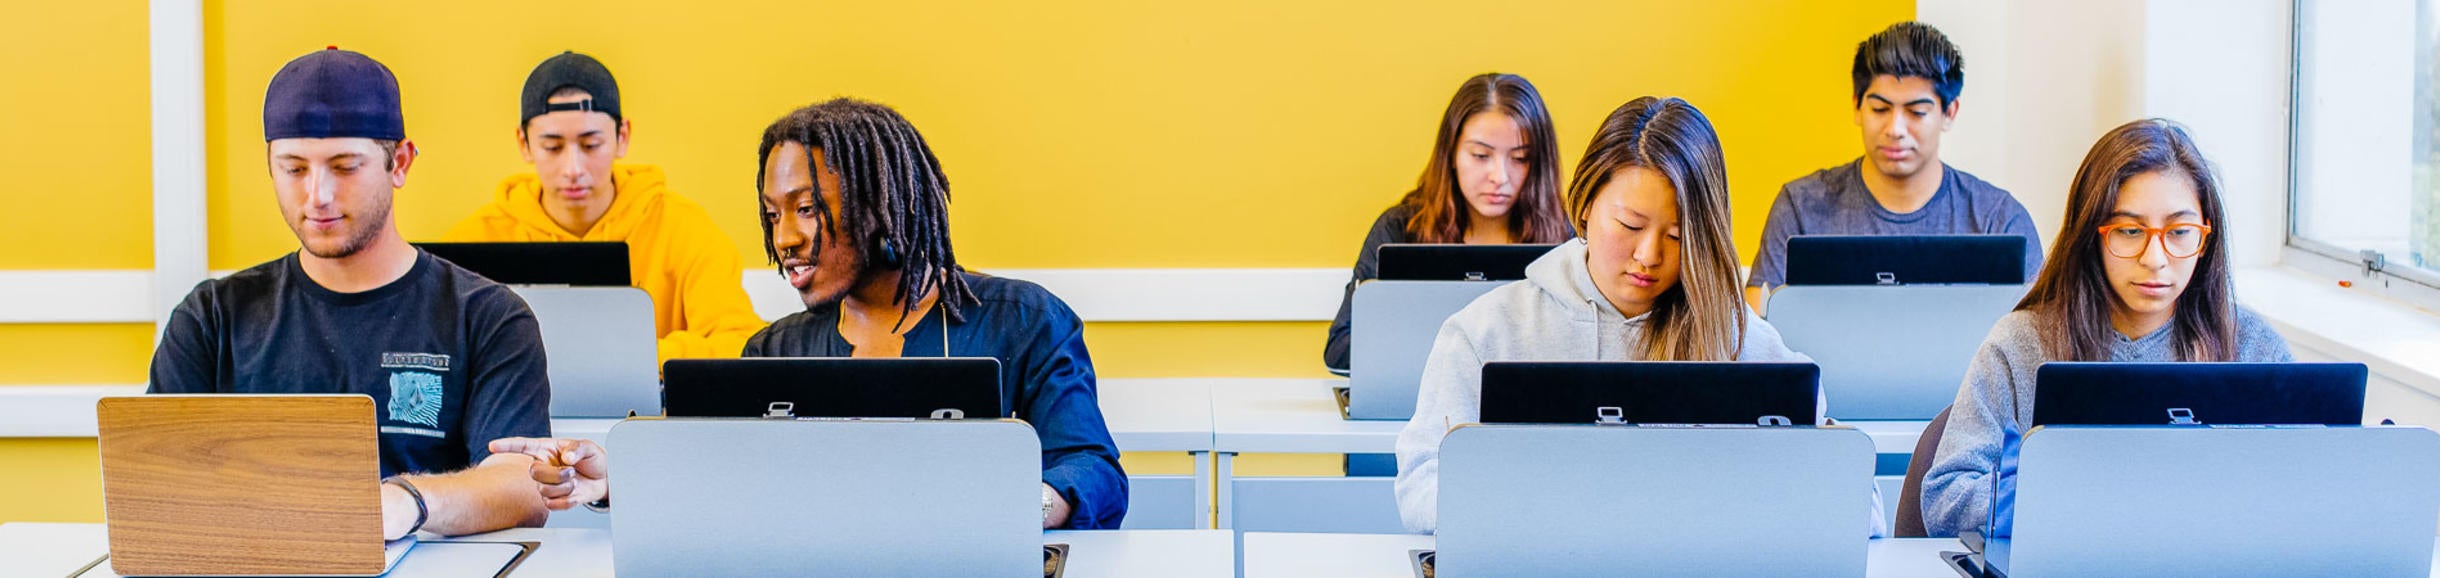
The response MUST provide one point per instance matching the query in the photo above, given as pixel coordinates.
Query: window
(2364, 185)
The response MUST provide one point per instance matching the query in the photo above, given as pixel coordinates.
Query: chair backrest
(1910, 499)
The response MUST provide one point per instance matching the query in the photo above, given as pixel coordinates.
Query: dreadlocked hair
(891, 189)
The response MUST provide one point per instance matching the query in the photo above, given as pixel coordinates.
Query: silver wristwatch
(1048, 495)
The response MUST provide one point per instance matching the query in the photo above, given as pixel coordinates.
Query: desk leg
(1221, 483)
(1203, 489)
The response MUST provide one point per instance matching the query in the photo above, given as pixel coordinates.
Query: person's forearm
(498, 494)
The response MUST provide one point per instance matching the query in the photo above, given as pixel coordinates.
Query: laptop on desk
(806, 497)
(1395, 318)
(1649, 392)
(834, 387)
(243, 485)
(601, 347)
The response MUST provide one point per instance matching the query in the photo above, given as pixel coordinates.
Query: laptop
(1651, 501)
(1455, 262)
(1395, 318)
(1650, 392)
(573, 263)
(805, 497)
(1906, 260)
(834, 387)
(2100, 393)
(243, 485)
(2220, 501)
(601, 346)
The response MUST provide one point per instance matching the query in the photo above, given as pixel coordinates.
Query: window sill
(2396, 340)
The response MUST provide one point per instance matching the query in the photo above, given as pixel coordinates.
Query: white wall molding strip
(1101, 295)
(54, 411)
(179, 255)
(101, 296)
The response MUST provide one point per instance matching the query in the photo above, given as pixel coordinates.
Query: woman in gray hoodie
(1653, 276)
(2135, 275)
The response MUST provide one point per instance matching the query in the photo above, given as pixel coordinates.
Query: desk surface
(1292, 416)
(1277, 555)
(1385, 556)
(1144, 415)
(55, 550)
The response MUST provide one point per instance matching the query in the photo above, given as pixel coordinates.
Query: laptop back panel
(601, 346)
(1394, 323)
(755, 497)
(1642, 501)
(233, 485)
(2187, 501)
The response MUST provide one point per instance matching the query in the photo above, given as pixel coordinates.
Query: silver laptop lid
(753, 497)
(1652, 501)
(1393, 324)
(2200, 501)
(1851, 330)
(602, 347)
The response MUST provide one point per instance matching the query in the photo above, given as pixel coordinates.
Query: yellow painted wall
(1097, 133)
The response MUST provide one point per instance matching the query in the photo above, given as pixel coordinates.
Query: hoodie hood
(639, 192)
(1562, 276)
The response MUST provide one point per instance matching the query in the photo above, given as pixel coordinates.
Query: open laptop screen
(2089, 393)
(915, 387)
(1906, 260)
(1663, 392)
(576, 263)
(1426, 262)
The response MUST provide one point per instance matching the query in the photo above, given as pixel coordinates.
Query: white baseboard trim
(54, 411)
(98, 296)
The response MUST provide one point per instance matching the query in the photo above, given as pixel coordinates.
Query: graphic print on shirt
(415, 392)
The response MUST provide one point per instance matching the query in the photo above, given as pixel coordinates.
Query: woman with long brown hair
(1493, 178)
(2138, 274)
(1654, 278)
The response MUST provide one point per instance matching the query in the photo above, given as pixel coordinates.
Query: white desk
(1269, 555)
(56, 550)
(1297, 416)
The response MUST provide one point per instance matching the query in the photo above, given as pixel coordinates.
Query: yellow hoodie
(689, 267)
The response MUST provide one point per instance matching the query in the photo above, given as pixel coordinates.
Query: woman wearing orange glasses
(2138, 273)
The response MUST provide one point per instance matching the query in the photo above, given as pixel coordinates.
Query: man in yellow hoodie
(573, 134)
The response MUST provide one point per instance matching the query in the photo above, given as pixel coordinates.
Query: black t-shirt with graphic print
(452, 360)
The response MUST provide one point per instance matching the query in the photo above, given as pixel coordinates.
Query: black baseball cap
(333, 93)
(569, 69)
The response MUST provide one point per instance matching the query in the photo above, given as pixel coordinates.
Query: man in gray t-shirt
(1907, 78)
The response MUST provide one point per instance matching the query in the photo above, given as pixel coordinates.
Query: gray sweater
(1986, 423)
(1555, 314)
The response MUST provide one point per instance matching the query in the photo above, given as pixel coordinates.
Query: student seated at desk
(856, 209)
(2140, 274)
(1907, 79)
(1493, 178)
(573, 134)
(1653, 278)
(454, 360)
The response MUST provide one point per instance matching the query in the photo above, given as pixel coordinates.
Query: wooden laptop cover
(241, 485)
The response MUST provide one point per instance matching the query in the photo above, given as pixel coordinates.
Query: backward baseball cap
(333, 93)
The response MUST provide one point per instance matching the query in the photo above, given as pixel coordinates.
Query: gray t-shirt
(1833, 201)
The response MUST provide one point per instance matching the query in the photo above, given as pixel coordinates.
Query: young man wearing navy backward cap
(451, 360)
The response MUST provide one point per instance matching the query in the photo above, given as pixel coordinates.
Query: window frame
(2400, 281)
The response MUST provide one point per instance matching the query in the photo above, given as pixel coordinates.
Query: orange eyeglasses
(2130, 240)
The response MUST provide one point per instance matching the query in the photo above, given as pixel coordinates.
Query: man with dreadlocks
(855, 212)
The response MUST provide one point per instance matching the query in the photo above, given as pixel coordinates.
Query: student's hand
(572, 471)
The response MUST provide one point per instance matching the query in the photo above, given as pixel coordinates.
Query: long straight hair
(2072, 299)
(1703, 317)
(1440, 211)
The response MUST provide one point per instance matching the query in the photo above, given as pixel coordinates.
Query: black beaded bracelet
(422, 512)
